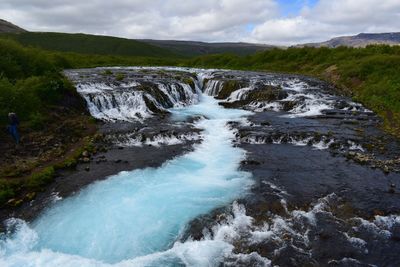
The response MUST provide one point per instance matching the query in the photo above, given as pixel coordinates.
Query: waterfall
(135, 101)
(213, 87)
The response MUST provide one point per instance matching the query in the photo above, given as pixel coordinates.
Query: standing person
(13, 127)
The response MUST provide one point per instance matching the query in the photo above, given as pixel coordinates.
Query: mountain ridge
(359, 40)
(8, 27)
(198, 48)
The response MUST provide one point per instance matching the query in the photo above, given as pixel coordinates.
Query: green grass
(88, 44)
(37, 181)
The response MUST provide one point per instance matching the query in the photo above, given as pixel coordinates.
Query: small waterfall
(213, 87)
(118, 105)
(135, 101)
(238, 95)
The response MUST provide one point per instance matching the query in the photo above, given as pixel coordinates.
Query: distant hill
(88, 44)
(8, 27)
(107, 45)
(360, 40)
(192, 48)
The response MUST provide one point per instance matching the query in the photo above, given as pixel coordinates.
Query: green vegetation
(120, 76)
(88, 44)
(370, 75)
(193, 49)
(228, 88)
(12, 189)
(38, 180)
(30, 83)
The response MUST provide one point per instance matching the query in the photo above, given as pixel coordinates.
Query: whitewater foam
(134, 218)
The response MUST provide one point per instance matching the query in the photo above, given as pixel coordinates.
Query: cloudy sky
(282, 22)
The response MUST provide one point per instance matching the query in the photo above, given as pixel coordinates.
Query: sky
(278, 22)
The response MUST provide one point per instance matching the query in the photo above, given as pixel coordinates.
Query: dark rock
(251, 162)
(396, 232)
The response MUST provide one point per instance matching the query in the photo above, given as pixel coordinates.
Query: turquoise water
(134, 218)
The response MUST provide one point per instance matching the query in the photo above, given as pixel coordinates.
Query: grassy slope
(192, 49)
(88, 44)
(31, 85)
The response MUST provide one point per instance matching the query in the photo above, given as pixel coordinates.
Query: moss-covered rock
(229, 87)
(190, 82)
(264, 94)
(41, 179)
(158, 95)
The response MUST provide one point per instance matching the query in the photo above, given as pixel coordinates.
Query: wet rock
(288, 105)
(342, 104)
(396, 232)
(251, 162)
(15, 202)
(30, 196)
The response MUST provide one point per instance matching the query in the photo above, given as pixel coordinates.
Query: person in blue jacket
(13, 127)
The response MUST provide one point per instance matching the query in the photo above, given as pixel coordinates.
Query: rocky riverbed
(326, 178)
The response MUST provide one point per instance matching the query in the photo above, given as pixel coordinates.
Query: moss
(158, 95)
(120, 76)
(190, 82)
(228, 87)
(7, 190)
(107, 73)
(38, 180)
(266, 94)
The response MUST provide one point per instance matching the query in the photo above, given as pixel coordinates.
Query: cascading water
(134, 218)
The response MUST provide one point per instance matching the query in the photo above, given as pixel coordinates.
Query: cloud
(172, 19)
(206, 20)
(329, 19)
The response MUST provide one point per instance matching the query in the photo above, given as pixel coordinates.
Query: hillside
(8, 27)
(88, 44)
(192, 48)
(360, 40)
